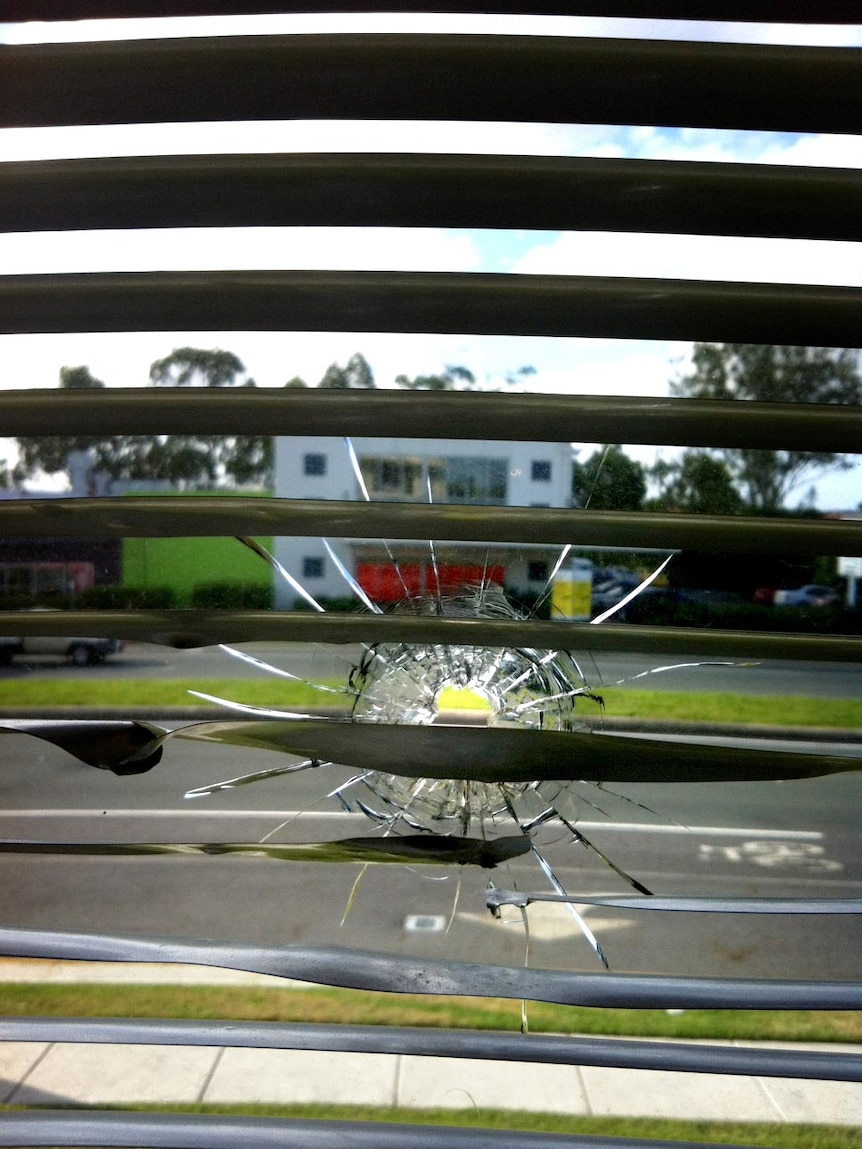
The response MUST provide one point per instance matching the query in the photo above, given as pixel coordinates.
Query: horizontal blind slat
(359, 969)
(368, 190)
(123, 1130)
(213, 515)
(469, 753)
(543, 418)
(192, 628)
(486, 303)
(544, 1049)
(440, 77)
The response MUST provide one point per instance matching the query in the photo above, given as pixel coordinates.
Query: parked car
(608, 591)
(80, 651)
(810, 595)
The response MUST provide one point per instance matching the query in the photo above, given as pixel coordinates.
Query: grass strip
(524, 1121)
(671, 706)
(356, 1007)
(746, 709)
(167, 692)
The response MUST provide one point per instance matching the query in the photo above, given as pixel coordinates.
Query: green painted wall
(183, 563)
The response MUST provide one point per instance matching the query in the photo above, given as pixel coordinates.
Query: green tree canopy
(356, 375)
(447, 380)
(49, 453)
(609, 480)
(206, 459)
(696, 482)
(184, 460)
(773, 374)
(199, 367)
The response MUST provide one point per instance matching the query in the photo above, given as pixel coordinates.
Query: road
(800, 839)
(772, 839)
(322, 662)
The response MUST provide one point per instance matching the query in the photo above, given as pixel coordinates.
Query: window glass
(476, 480)
(392, 476)
(541, 471)
(312, 567)
(314, 465)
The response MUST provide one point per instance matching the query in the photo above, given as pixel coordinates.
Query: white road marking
(341, 815)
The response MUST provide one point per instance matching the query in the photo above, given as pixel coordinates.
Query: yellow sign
(570, 597)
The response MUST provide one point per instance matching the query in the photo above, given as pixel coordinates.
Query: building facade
(415, 470)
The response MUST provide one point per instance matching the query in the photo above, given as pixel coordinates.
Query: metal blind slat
(487, 755)
(484, 304)
(543, 193)
(191, 516)
(418, 415)
(191, 628)
(359, 969)
(194, 1131)
(681, 1057)
(441, 77)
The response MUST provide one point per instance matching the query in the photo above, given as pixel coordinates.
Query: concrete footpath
(36, 1073)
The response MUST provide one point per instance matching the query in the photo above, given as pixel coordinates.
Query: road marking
(774, 855)
(342, 815)
(702, 831)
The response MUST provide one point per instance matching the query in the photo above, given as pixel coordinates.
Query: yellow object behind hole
(461, 698)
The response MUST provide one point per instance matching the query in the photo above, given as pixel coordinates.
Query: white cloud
(273, 136)
(461, 23)
(258, 249)
(695, 257)
(702, 145)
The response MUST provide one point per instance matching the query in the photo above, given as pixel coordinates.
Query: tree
(696, 482)
(773, 374)
(446, 380)
(184, 460)
(198, 367)
(357, 375)
(609, 481)
(207, 459)
(521, 374)
(49, 453)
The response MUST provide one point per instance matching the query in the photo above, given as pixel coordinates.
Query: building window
(312, 567)
(476, 480)
(537, 571)
(541, 471)
(392, 477)
(314, 465)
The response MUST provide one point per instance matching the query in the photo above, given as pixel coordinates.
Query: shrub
(231, 596)
(127, 598)
(331, 605)
(674, 608)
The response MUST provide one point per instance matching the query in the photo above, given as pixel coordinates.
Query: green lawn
(355, 1007)
(131, 693)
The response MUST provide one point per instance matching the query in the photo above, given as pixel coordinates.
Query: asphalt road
(773, 839)
(770, 839)
(323, 662)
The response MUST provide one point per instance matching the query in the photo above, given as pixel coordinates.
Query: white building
(400, 470)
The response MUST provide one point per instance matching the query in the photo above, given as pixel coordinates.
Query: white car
(80, 651)
(810, 595)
